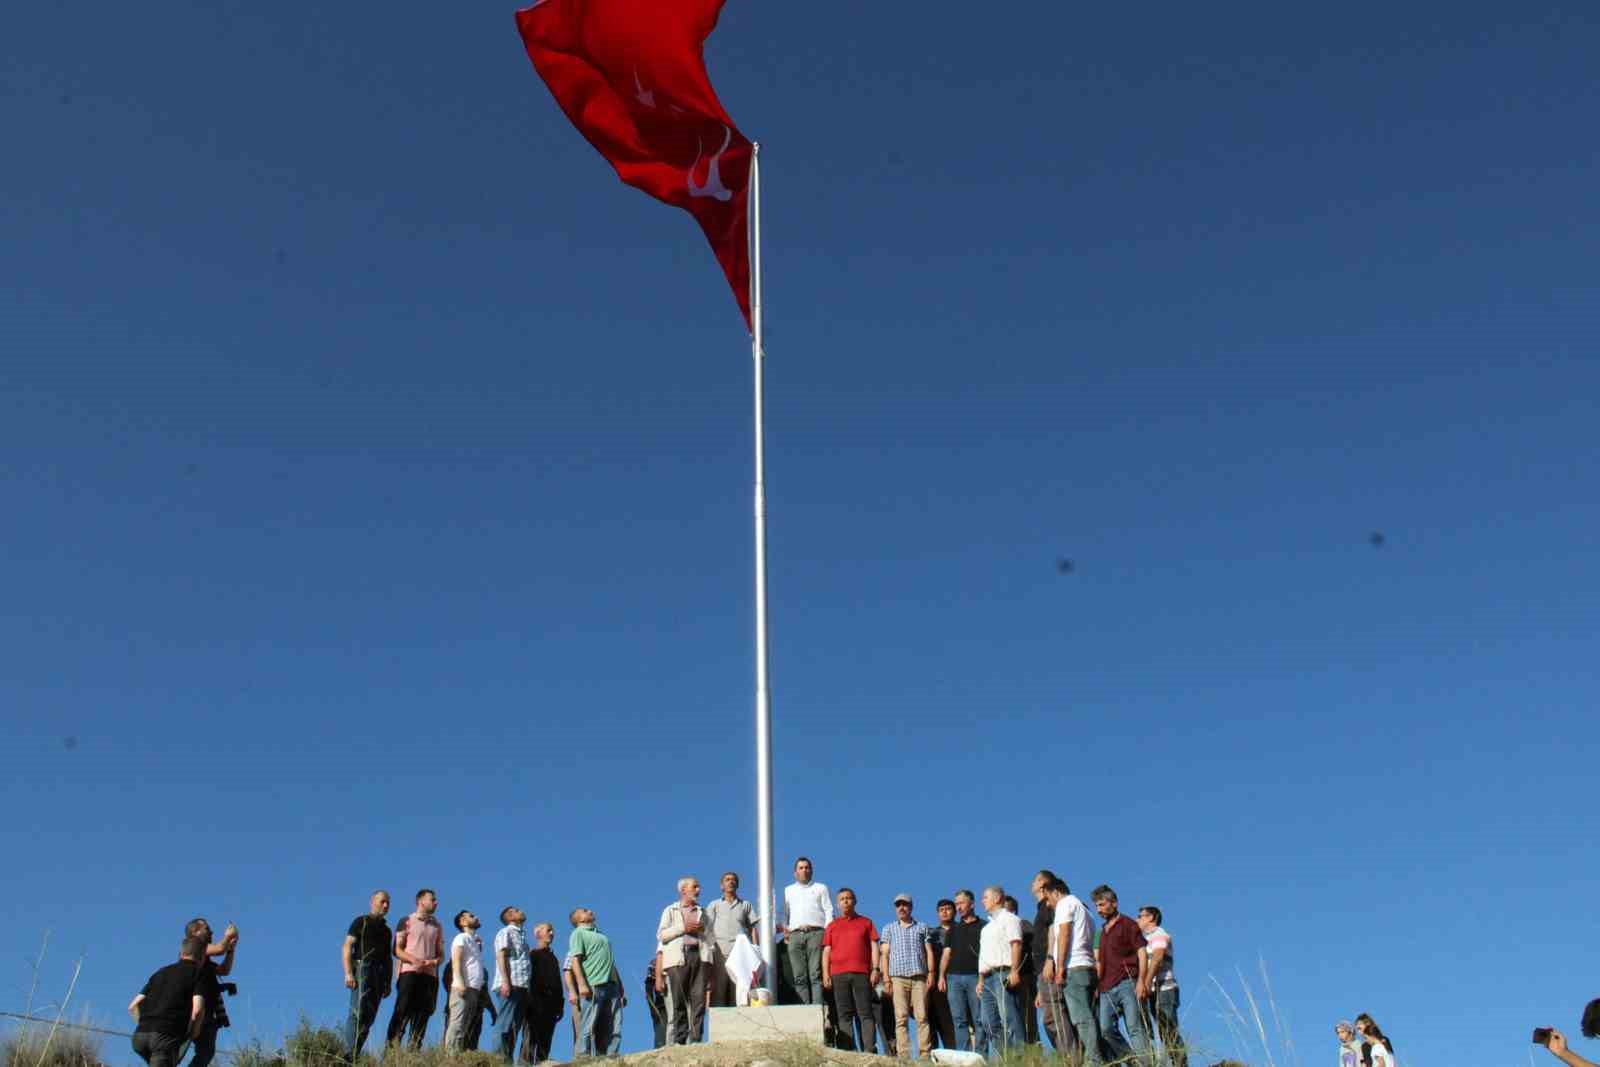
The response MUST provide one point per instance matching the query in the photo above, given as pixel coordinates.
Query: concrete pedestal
(770, 1023)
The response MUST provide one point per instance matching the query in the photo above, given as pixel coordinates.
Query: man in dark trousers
(368, 970)
(419, 946)
(546, 997)
(170, 1010)
(216, 1016)
(850, 971)
(939, 1019)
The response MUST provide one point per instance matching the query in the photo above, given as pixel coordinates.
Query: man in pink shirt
(419, 946)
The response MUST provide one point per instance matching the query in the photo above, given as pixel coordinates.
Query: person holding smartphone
(1556, 1042)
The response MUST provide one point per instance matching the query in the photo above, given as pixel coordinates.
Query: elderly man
(594, 973)
(1000, 973)
(726, 918)
(681, 933)
(907, 962)
(546, 1003)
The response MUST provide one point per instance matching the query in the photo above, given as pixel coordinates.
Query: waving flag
(631, 75)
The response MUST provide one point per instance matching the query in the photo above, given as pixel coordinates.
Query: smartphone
(1541, 1036)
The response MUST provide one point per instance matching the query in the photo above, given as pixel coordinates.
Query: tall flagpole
(768, 903)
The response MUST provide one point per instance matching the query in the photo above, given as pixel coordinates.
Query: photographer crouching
(215, 1015)
(1556, 1042)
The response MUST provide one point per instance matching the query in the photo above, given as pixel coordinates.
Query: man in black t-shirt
(368, 971)
(958, 973)
(171, 1008)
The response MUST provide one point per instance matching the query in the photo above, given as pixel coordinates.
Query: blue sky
(375, 474)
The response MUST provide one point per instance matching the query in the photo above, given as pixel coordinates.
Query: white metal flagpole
(767, 901)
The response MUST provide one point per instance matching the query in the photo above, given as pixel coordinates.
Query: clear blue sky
(375, 479)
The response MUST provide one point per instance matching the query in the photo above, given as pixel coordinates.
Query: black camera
(219, 1011)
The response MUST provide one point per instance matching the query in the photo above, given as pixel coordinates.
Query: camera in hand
(1541, 1036)
(219, 1011)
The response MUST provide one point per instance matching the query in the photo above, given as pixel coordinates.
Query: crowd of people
(970, 981)
(981, 978)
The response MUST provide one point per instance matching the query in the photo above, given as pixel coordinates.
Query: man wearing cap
(907, 963)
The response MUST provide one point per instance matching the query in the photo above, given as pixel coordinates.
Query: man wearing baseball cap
(907, 962)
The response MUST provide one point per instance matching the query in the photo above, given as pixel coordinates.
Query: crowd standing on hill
(968, 981)
(973, 981)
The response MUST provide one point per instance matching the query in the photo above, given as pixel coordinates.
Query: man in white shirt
(681, 934)
(1072, 960)
(807, 910)
(468, 985)
(513, 970)
(1000, 973)
(1163, 984)
(1048, 890)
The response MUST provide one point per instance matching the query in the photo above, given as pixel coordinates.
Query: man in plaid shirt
(907, 962)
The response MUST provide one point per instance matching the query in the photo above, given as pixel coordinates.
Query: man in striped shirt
(1163, 985)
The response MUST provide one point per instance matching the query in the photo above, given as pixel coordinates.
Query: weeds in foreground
(1249, 1031)
(48, 1046)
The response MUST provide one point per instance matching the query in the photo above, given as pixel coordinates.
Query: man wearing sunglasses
(907, 962)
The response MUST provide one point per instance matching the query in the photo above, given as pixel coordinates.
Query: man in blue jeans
(1000, 974)
(958, 975)
(368, 971)
(1124, 978)
(600, 994)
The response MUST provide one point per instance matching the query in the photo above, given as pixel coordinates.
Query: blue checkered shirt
(908, 956)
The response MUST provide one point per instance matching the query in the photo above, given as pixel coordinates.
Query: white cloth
(1164, 978)
(1080, 946)
(994, 943)
(470, 974)
(744, 963)
(806, 905)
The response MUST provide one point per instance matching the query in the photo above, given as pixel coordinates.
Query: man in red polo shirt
(850, 971)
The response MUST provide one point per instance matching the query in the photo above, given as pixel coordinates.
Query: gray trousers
(805, 959)
(1057, 1025)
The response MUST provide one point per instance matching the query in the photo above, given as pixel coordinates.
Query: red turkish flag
(631, 75)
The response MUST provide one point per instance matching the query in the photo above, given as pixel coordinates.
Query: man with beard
(419, 946)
